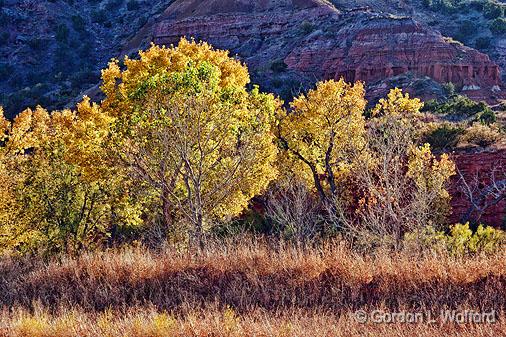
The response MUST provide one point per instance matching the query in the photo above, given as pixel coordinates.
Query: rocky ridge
(311, 40)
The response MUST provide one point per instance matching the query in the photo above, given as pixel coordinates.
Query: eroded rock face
(380, 48)
(316, 41)
(484, 174)
(270, 30)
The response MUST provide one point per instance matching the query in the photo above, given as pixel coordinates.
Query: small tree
(402, 184)
(58, 191)
(187, 127)
(482, 196)
(294, 211)
(323, 134)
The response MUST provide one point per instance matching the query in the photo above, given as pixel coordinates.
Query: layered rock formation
(380, 48)
(259, 32)
(314, 41)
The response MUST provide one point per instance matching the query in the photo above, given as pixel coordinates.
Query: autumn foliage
(186, 126)
(182, 143)
(133, 216)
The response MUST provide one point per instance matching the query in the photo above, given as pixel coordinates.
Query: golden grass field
(250, 288)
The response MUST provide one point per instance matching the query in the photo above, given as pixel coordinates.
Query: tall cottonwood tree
(187, 126)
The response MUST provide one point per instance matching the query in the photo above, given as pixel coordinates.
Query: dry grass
(250, 276)
(273, 290)
(149, 322)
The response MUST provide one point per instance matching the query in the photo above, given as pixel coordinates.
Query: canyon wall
(384, 47)
(316, 41)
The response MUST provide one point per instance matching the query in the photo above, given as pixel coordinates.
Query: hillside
(56, 48)
(51, 51)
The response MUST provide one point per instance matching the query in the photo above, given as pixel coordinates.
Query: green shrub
(460, 240)
(4, 37)
(431, 105)
(446, 6)
(461, 106)
(467, 29)
(306, 27)
(279, 66)
(62, 33)
(492, 10)
(482, 43)
(78, 23)
(487, 117)
(444, 137)
(498, 26)
(449, 89)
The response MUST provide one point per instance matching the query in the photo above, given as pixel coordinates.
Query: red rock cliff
(380, 48)
(484, 174)
(316, 41)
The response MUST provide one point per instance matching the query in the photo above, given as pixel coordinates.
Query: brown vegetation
(149, 322)
(245, 288)
(257, 275)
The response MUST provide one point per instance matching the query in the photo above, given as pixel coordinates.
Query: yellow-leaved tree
(371, 176)
(58, 191)
(5, 181)
(187, 127)
(324, 135)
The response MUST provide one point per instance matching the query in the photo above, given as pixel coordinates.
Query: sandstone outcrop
(316, 41)
(380, 48)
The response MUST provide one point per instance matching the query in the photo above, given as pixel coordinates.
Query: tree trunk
(168, 220)
(199, 231)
